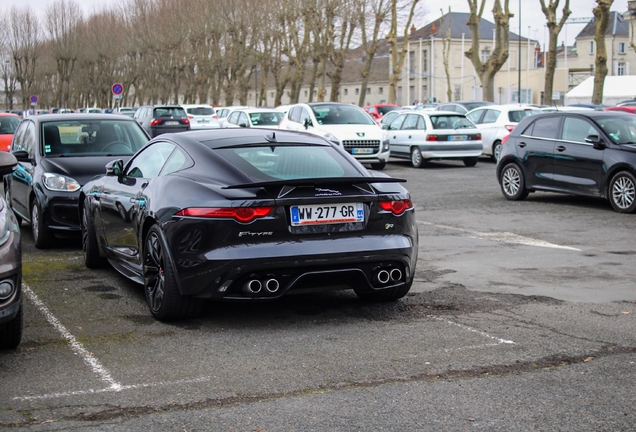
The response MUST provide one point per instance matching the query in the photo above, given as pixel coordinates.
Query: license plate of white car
(361, 150)
(458, 137)
(326, 214)
(172, 123)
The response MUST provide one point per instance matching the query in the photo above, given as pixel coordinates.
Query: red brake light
(155, 122)
(510, 127)
(504, 139)
(240, 214)
(185, 121)
(190, 116)
(478, 136)
(396, 207)
(431, 138)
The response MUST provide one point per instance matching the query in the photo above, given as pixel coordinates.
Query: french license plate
(172, 123)
(458, 137)
(326, 214)
(361, 150)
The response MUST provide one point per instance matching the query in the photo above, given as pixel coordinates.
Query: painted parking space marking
(114, 387)
(502, 237)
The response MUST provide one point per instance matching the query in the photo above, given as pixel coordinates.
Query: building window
(424, 60)
(485, 55)
(368, 90)
(621, 47)
(306, 93)
(346, 92)
(411, 64)
(591, 47)
(357, 91)
(381, 90)
(620, 68)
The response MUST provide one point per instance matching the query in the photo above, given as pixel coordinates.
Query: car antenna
(271, 137)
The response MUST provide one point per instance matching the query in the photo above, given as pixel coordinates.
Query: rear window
(201, 111)
(289, 162)
(516, 116)
(8, 124)
(168, 112)
(451, 122)
(266, 118)
(385, 109)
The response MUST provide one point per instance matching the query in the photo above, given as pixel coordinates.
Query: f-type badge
(327, 192)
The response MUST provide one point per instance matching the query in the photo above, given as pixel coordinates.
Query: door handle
(561, 148)
(410, 136)
(522, 144)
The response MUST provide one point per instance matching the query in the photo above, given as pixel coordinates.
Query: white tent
(615, 89)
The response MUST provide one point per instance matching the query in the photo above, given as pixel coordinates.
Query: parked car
(8, 124)
(223, 112)
(11, 315)
(57, 154)
(581, 153)
(346, 125)
(254, 117)
(628, 108)
(389, 117)
(497, 121)
(379, 110)
(160, 119)
(267, 213)
(201, 116)
(461, 107)
(422, 136)
(128, 111)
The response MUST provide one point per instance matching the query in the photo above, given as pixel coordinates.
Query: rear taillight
(505, 139)
(431, 138)
(240, 214)
(215, 116)
(185, 121)
(190, 116)
(155, 122)
(510, 128)
(396, 207)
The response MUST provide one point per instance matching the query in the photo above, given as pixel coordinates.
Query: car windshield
(288, 162)
(385, 109)
(266, 118)
(8, 124)
(169, 112)
(92, 138)
(516, 116)
(622, 130)
(205, 111)
(449, 121)
(472, 105)
(341, 114)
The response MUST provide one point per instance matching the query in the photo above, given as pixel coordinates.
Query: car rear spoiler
(317, 181)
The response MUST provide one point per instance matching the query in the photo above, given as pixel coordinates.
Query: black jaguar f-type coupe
(248, 214)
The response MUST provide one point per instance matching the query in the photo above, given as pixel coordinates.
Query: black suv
(159, 119)
(583, 153)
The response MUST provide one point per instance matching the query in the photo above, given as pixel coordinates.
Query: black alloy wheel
(470, 162)
(622, 192)
(41, 234)
(513, 184)
(379, 165)
(90, 248)
(160, 284)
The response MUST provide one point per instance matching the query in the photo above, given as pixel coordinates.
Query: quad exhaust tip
(271, 285)
(253, 286)
(396, 274)
(383, 276)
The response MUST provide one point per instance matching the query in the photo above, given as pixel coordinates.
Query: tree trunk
(601, 13)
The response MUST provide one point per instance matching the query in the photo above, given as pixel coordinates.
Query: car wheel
(622, 192)
(385, 295)
(496, 151)
(160, 283)
(416, 158)
(41, 235)
(90, 247)
(7, 198)
(11, 332)
(470, 162)
(512, 182)
(378, 166)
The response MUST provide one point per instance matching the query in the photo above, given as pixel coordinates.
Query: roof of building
(617, 26)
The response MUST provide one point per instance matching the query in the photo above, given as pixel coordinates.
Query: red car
(378, 111)
(8, 124)
(627, 108)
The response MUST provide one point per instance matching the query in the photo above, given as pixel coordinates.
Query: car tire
(385, 295)
(622, 192)
(7, 199)
(496, 151)
(11, 332)
(470, 162)
(379, 165)
(416, 158)
(90, 247)
(513, 184)
(41, 235)
(160, 283)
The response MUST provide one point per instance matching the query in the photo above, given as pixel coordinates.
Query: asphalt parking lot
(522, 317)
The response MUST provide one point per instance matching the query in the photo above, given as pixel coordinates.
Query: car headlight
(331, 137)
(59, 183)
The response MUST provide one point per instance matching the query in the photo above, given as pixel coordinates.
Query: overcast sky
(531, 15)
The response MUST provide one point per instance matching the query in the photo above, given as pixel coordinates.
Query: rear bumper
(440, 151)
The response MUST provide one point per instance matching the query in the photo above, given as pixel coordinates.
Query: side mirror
(385, 126)
(115, 168)
(21, 155)
(597, 141)
(8, 163)
(307, 123)
(243, 125)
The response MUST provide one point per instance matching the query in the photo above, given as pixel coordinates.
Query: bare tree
(499, 54)
(446, 42)
(601, 13)
(397, 58)
(24, 45)
(554, 29)
(8, 77)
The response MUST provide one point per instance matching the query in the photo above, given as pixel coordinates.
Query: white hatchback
(201, 116)
(253, 117)
(497, 121)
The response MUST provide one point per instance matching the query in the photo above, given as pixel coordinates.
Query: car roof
(216, 138)
(42, 118)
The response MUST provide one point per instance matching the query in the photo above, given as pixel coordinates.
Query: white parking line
(503, 237)
(77, 347)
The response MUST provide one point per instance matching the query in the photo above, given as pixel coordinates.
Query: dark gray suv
(159, 119)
